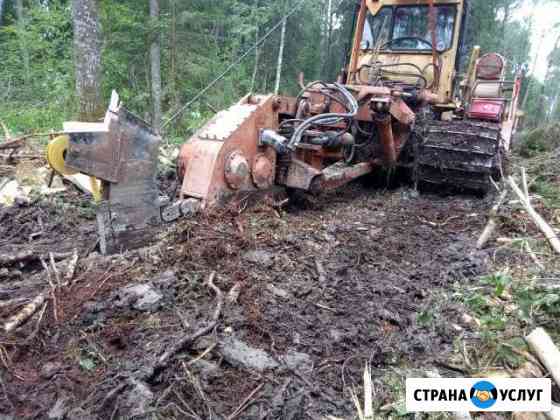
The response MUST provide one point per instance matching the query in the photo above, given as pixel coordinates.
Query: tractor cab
(409, 43)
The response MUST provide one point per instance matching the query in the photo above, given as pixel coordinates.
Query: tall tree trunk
(535, 59)
(532, 73)
(504, 25)
(21, 36)
(280, 56)
(256, 67)
(329, 38)
(549, 79)
(87, 58)
(323, 12)
(1, 10)
(155, 65)
(173, 53)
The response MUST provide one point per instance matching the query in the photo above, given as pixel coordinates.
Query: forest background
(158, 54)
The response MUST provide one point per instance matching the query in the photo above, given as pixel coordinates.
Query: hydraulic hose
(328, 118)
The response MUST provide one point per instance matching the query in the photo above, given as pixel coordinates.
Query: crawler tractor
(399, 103)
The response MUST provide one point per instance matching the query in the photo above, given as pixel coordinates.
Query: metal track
(462, 154)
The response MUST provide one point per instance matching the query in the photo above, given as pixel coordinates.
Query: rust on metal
(339, 174)
(204, 159)
(237, 170)
(262, 171)
(383, 123)
(301, 175)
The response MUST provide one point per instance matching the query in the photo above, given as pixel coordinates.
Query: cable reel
(56, 158)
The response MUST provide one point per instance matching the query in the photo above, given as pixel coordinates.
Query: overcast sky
(544, 35)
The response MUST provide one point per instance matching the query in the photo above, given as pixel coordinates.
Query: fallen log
(542, 345)
(20, 141)
(8, 259)
(492, 223)
(26, 313)
(12, 156)
(30, 255)
(12, 144)
(537, 218)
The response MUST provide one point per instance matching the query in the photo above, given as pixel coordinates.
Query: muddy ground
(312, 293)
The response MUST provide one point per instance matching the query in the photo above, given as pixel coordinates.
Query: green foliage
(40, 97)
(533, 106)
(491, 26)
(538, 303)
(199, 40)
(539, 140)
(499, 281)
(425, 318)
(506, 309)
(549, 190)
(505, 303)
(506, 352)
(87, 363)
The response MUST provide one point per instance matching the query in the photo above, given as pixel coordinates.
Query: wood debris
(492, 222)
(544, 348)
(535, 217)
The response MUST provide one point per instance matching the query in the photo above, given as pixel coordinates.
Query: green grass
(549, 190)
(25, 118)
(540, 140)
(508, 309)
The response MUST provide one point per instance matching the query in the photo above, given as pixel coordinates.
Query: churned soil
(312, 292)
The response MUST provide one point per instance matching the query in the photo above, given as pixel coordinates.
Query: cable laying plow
(399, 103)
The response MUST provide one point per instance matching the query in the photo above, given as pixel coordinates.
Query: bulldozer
(401, 102)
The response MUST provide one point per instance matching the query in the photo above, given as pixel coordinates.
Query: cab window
(377, 29)
(408, 28)
(412, 28)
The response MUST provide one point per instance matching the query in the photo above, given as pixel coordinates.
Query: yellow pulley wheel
(56, 152)
(95, 188)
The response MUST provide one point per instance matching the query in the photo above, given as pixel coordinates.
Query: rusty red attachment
(263, 171)
(236, 170)
(224, 158)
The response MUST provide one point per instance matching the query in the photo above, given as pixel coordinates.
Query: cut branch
(7, 135)
(189, 339)
(492, 223)
(537, 219)
(72, 267)
(33, 306)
